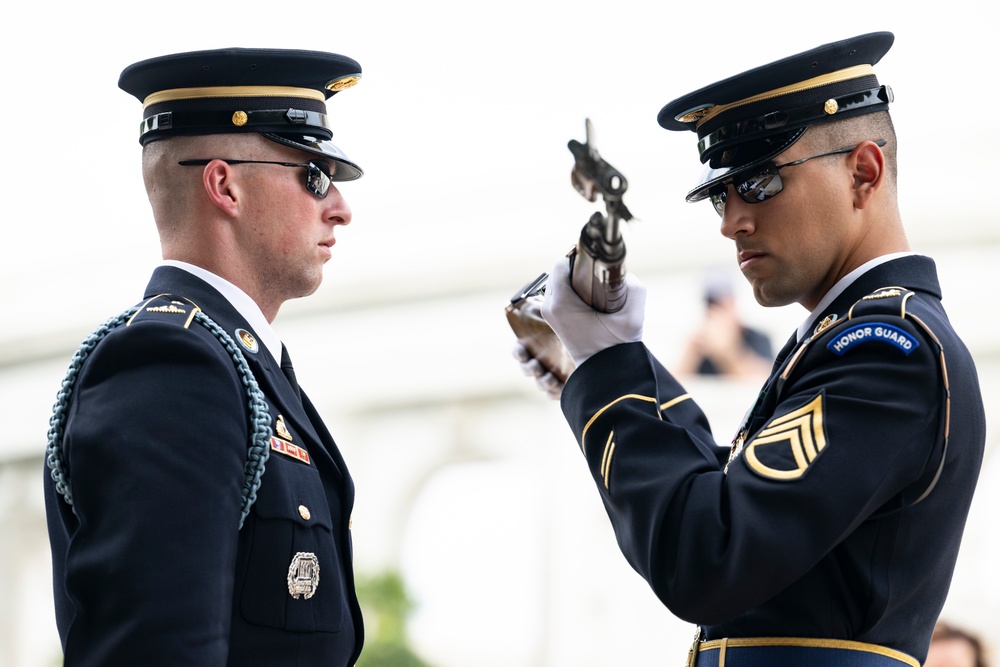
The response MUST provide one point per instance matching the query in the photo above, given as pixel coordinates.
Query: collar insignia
(825, 323)
(281, 429)
(247, 340)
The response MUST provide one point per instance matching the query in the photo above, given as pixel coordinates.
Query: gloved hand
(544, 379)
(583, 330)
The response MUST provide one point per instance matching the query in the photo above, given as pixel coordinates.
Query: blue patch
(869, 332)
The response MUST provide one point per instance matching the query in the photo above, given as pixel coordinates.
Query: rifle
(597, 262)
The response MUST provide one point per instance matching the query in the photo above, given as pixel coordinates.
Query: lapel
(304, 426)
(915, 272)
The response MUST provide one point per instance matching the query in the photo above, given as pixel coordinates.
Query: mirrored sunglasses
(765, 183)
(318, 174)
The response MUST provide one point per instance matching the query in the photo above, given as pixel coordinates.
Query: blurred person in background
(951, 646)
(723, 345)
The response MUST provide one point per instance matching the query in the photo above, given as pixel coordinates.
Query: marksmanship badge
(303, 575)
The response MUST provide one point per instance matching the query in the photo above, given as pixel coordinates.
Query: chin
(768, 299)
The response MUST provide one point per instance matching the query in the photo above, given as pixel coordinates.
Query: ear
(868, 170)
(219, 182)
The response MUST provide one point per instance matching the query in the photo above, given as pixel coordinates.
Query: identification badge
(303, 575)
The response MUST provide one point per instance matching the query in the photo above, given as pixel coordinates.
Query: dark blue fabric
(795, 656)
(151, 568)
(834, 550)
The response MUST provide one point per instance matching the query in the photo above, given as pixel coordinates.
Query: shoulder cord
(260, 418)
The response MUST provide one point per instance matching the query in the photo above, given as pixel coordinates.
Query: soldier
(827, 533)
(198, 508)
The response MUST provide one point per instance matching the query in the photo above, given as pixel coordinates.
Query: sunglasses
(766, 183)
(318, 175)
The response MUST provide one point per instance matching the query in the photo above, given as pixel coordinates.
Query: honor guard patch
(787, 446)
(303, 575)
(288, 449)
(872, 332)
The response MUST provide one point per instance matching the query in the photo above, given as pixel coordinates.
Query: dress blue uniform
(813, 530)
(198, 508)
(150, 563)
(828, 532)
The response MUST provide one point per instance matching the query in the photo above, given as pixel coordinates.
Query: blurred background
(478, 536)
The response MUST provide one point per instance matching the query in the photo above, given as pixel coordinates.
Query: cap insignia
(240, 118)
(694, 115)
(343, 83)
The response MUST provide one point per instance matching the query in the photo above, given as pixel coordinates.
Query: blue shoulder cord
(260, 418)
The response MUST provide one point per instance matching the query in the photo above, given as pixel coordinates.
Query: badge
(303, 575)
(169, 308)
(885, 293)
(825, 323)
(281, 429)
(288, 449)
(247, 340)
(788, 445)
(881, 332)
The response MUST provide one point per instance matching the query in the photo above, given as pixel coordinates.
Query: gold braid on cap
(833, 77)
(231, 91)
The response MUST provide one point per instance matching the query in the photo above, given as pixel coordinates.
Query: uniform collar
(805, 329)
(239, 300)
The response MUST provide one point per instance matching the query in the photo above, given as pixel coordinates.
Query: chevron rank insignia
(785, 448)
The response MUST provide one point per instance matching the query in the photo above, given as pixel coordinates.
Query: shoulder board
(883, 301)
(166, 306)
(878, 316)
(881, 312)
(184, 311)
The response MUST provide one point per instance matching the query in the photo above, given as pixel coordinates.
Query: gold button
(304, 512)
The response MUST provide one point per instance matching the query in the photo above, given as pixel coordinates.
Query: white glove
(544, 379)
(583, 330)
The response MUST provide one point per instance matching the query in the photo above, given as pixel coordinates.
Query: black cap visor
(742, 159)
(341, 169)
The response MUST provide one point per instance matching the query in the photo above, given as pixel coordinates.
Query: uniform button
(304, 512)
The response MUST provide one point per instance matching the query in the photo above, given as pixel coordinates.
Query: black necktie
(289, 371)
(784, 352)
